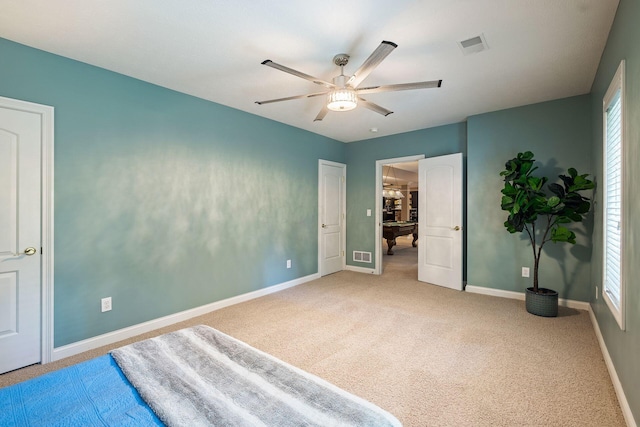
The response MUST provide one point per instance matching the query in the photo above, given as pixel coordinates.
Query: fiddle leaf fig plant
(539, 209)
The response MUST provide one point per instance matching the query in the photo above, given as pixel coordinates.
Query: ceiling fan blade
(270, 63)
(321, 114)
(289, 98)
(401, 86)
(371, 62)
(374, 107)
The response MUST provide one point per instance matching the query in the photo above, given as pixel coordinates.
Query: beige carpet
(430, 356)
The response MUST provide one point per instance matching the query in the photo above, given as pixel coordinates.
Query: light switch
(368, 212)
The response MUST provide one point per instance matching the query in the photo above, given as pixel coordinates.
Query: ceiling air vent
(473, 45)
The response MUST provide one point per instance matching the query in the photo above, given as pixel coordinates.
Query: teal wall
(164, 201)
(623, 346)
(559, 134)
(361, 176)
(167, 202)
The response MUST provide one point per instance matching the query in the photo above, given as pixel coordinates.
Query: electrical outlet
(105, 303)
(288, 263)
(525, 271)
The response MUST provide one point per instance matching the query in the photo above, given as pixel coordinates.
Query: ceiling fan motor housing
(340, 81)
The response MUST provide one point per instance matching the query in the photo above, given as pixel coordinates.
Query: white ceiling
(538, 50)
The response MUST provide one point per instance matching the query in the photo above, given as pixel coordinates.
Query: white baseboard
(617, 386)
(360, 269)
(141, 328)
(494, 292)
(578, 305)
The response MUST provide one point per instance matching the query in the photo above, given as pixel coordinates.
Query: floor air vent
(360, 256)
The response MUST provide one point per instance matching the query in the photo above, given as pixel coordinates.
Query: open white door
(20, 239)
(440, 221)
(331, 217)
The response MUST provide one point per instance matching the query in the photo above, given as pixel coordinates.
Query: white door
(20, 238)
(331, 216)
(440, 221)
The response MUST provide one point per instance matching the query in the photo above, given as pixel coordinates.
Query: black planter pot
(544, 303)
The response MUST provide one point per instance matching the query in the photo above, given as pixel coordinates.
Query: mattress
(92, 393)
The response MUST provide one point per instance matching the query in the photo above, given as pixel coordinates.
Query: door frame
(46, 113)
(378, 217)
(343, 228)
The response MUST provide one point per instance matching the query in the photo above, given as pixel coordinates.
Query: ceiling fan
(343, 94)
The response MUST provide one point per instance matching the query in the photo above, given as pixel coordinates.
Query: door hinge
(342, 253)
(342, 179)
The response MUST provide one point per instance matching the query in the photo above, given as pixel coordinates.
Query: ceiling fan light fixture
(343, 99)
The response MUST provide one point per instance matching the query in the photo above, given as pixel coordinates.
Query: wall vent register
(359, 256)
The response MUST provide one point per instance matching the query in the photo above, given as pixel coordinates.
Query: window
(613, 289)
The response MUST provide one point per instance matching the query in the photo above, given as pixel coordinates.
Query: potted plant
(543, 212)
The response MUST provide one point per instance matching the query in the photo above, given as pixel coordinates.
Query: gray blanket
(202, 377)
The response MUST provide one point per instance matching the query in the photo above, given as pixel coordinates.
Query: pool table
(391, 230)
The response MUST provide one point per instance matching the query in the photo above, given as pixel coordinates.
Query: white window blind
(613, 214)
(613, 283)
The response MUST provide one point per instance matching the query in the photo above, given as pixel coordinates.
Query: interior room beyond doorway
(399, 214)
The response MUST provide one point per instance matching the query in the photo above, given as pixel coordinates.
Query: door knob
(456, 228)
(324, 226)
(28, 251)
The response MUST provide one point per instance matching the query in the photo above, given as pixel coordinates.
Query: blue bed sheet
(92, 393)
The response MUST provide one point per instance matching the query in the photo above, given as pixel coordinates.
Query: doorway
(438, 231)
(400, 197)
(383, 167)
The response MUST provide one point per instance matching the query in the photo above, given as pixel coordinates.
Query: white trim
(141, 328)
(378, 224)
(617, 83)
(48, 265)
(617, 386)
(46, 219)
(360, 269)
(343, 243)
(578, 305)
(494, 292)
